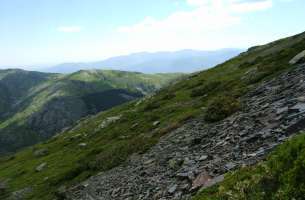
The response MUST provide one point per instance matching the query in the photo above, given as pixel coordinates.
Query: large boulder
(298, 59)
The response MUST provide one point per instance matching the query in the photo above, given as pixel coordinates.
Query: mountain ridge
(157, 62)
(40, 104)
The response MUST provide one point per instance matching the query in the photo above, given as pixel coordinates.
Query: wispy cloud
(249, 6)
(183, 29)
(69, 29)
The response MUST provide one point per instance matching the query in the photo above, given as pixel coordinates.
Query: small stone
(21, 194)
(301, 99)
(186, 175)
(282, 110)
(156, 123)
(41, 167)
(201, 180)
(188, 162)
(298, 59)
(203, 108)
(282, 138)
(261, 151)
(109, 120)
(41, 152)
(148, 162)
(178, 195)
(172, 189)
(182, 175)
(299, 106)
(185, 186)
(213, 181)
(134, 125)
(203, 158)
(115, 192)
(85, 184)
(229, 166)
(82, 144)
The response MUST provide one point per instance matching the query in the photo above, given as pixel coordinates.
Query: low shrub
(281, 176)
(221, 107)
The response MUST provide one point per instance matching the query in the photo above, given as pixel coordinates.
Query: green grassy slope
(15, 84)
(79, 84)
(39, 100)
(134, 131)
(280, 177)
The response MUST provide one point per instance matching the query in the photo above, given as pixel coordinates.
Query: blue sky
(43, 32)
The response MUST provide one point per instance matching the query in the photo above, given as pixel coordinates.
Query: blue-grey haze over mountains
(158, 62)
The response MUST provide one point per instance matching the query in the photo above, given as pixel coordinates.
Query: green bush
(221, 107)
(280, 177)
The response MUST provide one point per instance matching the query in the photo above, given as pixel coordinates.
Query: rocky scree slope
(34, 106)
(161, 144)
(199, 154)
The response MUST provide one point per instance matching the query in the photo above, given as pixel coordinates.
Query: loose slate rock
(41, 152)
(229, 166)
(201, 180)
(244, 138)
(82, 145)
(41, 167)
(298, 59)
(203, 158)
(213, 181)
(21, 194)
(172, 189)
(156, 123)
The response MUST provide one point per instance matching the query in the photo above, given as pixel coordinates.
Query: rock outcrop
(198, 154)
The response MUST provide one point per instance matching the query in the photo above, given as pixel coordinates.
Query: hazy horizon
(41, 66)
(48, 33)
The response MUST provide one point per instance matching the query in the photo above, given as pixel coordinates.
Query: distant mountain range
(159, 62)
